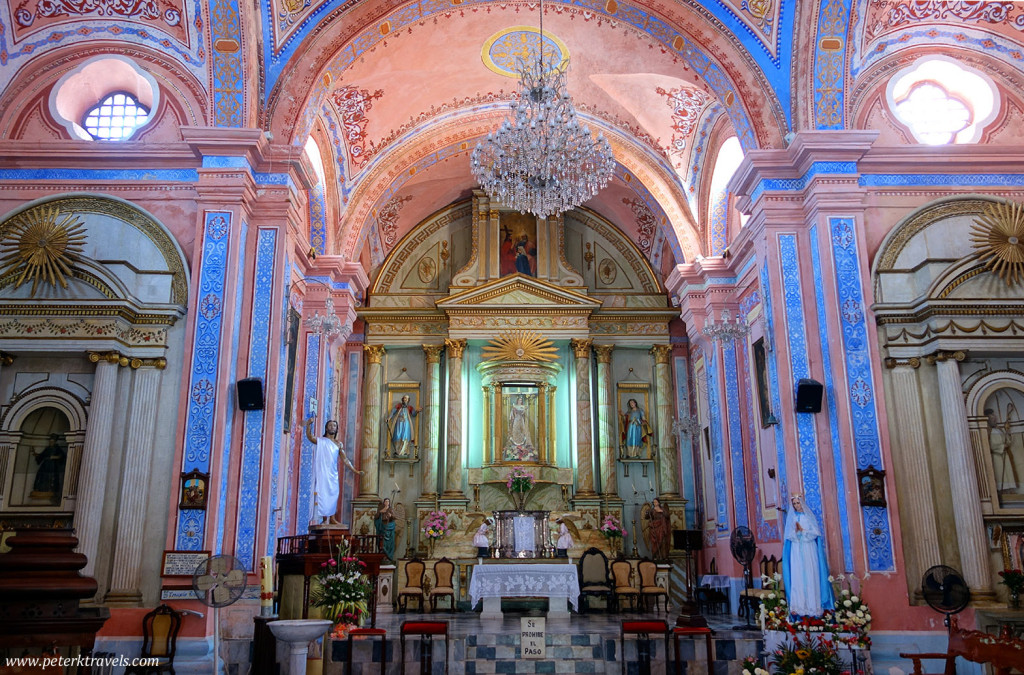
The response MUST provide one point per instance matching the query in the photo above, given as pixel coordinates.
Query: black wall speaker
(250, 394)
(808, 396)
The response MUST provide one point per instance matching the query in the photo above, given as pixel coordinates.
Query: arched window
(729, 157)
(116, 117)
(942, 102)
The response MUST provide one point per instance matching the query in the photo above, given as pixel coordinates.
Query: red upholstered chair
(695, 631)
(426, 630)
(642, 629)
(370, 633)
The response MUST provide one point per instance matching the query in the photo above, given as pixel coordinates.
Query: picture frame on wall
(194, 490)
(520, 438)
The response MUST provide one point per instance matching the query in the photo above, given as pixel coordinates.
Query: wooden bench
(1004, 652)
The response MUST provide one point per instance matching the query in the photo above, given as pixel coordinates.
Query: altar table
(492, 582)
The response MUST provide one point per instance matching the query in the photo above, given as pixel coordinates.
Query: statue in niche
(49, 480)
(519, 444)
(636, 430)
(1006, 439)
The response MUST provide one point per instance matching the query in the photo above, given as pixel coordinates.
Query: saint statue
(519, 446)
(804, 566)
(656, 529)
(384, 523)
(49, 480)
(400, 426)
(326, 487)
(636, 431)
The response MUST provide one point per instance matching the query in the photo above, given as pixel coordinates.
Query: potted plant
(612, 528)
(435, 526)
(342, 591)
(1013, 579)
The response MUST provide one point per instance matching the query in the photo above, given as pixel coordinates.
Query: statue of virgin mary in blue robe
(804, 566)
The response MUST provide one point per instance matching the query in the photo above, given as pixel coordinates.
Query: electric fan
(744, 548)
(218, 582)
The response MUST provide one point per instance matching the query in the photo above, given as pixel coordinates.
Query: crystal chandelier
(725, 328)
(330, 324)
(542, 160)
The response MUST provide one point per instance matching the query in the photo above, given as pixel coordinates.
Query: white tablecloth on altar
(525, 580)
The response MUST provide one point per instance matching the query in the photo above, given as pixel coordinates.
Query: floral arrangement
(849, 622)
(1013, 580)
(435, 525)
(751, 666)
(807, 655)
(519, 480)
(612, 528)
(343, 590)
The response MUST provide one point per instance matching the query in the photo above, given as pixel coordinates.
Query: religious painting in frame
(635, 425)
(1011, 541)
(520, 423)
(517, 247)
(194, 489)
(401, 419)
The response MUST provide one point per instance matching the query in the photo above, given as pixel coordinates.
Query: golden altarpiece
(510, 332)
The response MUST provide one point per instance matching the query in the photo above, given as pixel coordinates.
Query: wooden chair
(159, 640)
(1004, 653)
(622, 580)
(649, 587)
(444, 572)
(414, 570)
(594, 578)
(750, 598)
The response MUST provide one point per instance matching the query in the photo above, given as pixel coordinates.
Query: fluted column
(963, 482)
(918, 503)
(668, 457)
(453, 458)
(95, 457)
(432, 412)
(606, 419)
(126, 573)
(369, 459)
(584, 422)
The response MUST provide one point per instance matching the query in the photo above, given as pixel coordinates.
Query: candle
(266, 581)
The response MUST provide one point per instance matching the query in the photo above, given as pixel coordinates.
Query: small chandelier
(330, 324)
(542, 160)
(725, 328)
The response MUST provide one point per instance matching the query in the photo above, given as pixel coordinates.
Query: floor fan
(744, 548)
(218, 582)
(945, 591)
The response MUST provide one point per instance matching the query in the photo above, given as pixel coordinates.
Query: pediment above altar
(518, 302)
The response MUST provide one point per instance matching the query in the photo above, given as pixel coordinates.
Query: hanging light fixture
(542, 159)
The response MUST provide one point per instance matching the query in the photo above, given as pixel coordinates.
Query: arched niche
(995, 410)
(41, 438)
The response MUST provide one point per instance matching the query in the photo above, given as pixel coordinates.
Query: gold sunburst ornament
(520, 346)
(35, 246)
(998, 237)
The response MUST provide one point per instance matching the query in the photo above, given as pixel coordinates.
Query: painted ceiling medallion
(503, 51)
(42, 244)
(519, 346)
(998, 238)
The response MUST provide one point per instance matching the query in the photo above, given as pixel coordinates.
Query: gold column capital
(946, 355)
(6, 359)
(456, 348)
(661, 353)
(912, 362)
(581, 347)
(604, 353)
(433, 353)
(374, 353)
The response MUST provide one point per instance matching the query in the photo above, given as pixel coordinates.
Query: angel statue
(481, 538)
(567, 534)
(654, 521)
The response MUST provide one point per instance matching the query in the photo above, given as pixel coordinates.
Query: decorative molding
(126, 361)
(519, 346)
(912, 362)
(604, 353)
(661, 353)
(919, 221)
